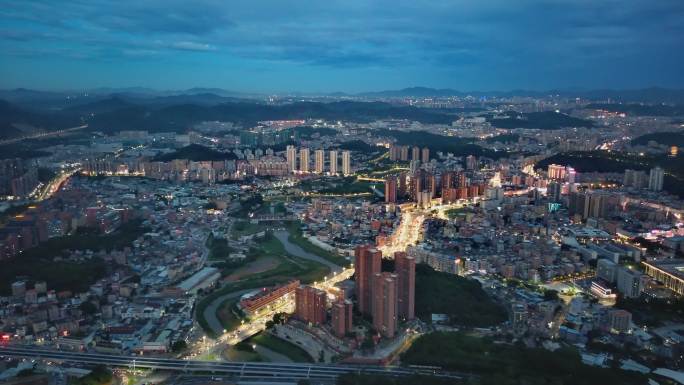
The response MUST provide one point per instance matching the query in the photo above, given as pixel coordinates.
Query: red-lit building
(310, 304)
(367, 262)
(423, 181)
(405, 268)
(267, 296)
(342, 317)
(473, 191)
(385, 303)
(391, 189)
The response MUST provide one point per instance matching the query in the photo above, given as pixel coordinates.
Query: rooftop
(674, 267)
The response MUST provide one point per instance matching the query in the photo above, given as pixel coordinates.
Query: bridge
(240, 370)
(274, 218)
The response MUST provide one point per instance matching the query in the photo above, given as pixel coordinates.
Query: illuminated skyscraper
(403, 153)
(304, 160)
(367, 262)
(333, 162)
(394, 152)
(415, 153)
(310, 304)
(425, 155)
(570, 174)
(385, 303)
(471, 162)
(391, 189)
(405, 268)
(319, 161)
(342, 317)
(346, 163)
(556, 171)
(655, 179)
(291, 156)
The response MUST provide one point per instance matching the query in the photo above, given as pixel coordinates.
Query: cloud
(192, 46)
(399, 36)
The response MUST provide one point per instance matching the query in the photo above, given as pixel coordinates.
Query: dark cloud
(586, 37)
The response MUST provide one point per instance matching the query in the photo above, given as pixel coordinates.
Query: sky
(272, 46)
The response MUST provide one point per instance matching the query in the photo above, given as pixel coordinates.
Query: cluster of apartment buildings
(18, 178)
(387, 297)
(301, 163)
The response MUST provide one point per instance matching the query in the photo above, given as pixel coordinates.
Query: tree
(88, 308)
(280, 318)
(368, 343)
(550, 295)
(179, 346)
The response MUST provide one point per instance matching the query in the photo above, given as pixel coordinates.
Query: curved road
(211, 310)
(297, 251)
(291, 248)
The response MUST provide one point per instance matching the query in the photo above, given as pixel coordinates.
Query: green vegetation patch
(665, 138)
(505, 138)
(502, 364)
(453, 213)
(38, 263)
(241, 228)
(545, 120)
(226, 314)
(281, 346)
(604, 161)
(289, 268)
(435, 142)
(462, 299)
(243, 352)
(218, 248)
(653, 312)
(297, 237)
(99, 376)
(196, 153)
(308, 132)
(640, 109)
(339, 186)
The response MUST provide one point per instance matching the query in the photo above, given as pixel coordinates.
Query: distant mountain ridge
(646, 95)
(17, 122)
(642, 95)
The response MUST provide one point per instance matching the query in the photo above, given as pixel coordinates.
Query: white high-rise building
(291, 156)
(570, 174)
(556, 171)
(655, 179)
(333, 162)
(346, 163)
(319, 161)
(304, 160)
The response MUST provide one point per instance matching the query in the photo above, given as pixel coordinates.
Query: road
(43, 135)
(258, 321)
(409, 231)
(242, 370)
(211, 310)
(54, 185)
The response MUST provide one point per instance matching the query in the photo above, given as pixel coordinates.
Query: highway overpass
(241, 370)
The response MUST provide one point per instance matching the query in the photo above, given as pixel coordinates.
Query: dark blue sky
(348, 45)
